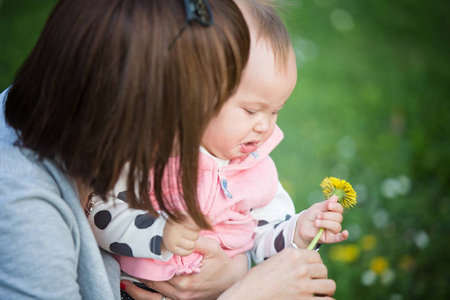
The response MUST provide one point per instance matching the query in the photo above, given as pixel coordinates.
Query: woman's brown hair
(108, 83)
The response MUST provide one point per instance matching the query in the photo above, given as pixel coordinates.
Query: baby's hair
(266, 17)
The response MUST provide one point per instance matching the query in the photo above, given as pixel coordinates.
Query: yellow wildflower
(368, 242)
(341, 188)
(347, 253)
(379, 264)
(346, 196)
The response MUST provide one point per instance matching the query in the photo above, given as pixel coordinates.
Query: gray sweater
(47, 249)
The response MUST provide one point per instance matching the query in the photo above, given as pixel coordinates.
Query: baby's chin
(240, 156)
(235, 155)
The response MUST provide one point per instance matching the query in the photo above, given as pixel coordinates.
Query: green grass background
(371, 106)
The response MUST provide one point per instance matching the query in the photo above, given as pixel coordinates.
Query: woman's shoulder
(16, 162)
(32, 190)
(21, 168)
(40, 184)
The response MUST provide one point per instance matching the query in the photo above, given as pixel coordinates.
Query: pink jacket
(227, 195)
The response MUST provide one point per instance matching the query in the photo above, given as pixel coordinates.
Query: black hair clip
(196, 11)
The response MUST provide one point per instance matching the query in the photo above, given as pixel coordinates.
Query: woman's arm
(290, 274)
(218, 273)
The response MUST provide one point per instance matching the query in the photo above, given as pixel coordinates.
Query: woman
(97, 92)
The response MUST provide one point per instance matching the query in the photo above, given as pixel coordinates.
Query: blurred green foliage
(20, 24)
(371, 106)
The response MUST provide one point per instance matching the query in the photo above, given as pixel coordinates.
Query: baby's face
(248, 118)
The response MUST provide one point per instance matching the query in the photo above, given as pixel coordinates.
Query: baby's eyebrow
(262, 104)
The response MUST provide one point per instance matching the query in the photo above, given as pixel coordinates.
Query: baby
(238, 187)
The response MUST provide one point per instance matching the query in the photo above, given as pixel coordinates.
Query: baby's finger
(333, 199)
(187, 234)
(179, 230)
(336, 238)
(334, 227)
(181, 251)
(186, 246)
(331, 216)
(345, 234)
(323, 206)
(336, 207)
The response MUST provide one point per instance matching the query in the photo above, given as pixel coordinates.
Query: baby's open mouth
(249, 147)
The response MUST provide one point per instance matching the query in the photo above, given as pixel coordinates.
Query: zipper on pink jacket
(224, 185)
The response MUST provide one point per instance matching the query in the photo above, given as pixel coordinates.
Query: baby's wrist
(301, 244)
(165, 247)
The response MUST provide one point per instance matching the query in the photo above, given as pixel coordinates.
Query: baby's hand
(326, 215)
(180, 237)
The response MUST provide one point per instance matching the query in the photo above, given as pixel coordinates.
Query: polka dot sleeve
(125, 231)
(275, 226)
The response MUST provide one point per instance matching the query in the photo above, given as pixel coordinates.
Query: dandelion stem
(315, 240)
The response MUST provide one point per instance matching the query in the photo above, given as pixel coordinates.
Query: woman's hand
(218, 273)
(290, 274)
(137, 293)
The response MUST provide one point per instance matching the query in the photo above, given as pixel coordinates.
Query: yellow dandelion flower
(342, 253)
(368, 242)
(346, 196)
(379, 264)
(341, 188)
(351, 253)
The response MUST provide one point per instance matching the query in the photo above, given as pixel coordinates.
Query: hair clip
(198, 10)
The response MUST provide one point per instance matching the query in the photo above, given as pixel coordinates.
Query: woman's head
(110, 82)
